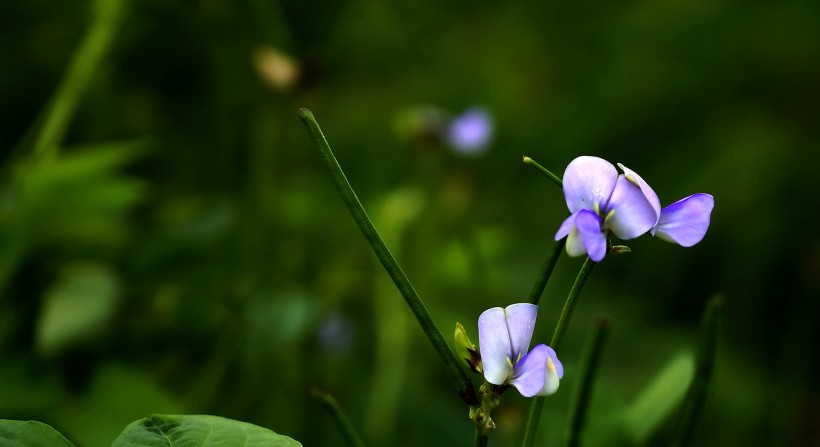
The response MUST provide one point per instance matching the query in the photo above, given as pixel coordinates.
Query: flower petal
(588, 225)
(630, 213)
(575, 243)
(685, 222)
(648, 192)
(520, 324)
(494, 345)
(588, 183)
(530, 372)
(555, 372)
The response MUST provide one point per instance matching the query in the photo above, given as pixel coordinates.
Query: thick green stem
(589, 367)
(696, 395)
(480, 440)
(544, 171)
(462, 383)
(338, 415)
(546, 271)
(537, 406)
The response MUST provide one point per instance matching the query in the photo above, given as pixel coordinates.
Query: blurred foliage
(179, 248)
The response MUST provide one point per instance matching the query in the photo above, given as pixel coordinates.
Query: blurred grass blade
(554, 178)
(696, 395)
(462, 383)
(335, 410)
(587, 372)
(660, 397)
(48, 133)
(537, 405)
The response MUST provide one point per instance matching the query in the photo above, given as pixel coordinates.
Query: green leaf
(660, 397)
(199, 430)
(30, 434)
(77, 308)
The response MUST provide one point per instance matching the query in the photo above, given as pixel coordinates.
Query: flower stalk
(463, 385)
(554, 178)
(537, 406)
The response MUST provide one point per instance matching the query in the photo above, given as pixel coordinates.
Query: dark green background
(212, 248)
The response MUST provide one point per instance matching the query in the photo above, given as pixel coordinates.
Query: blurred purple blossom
(471, 132)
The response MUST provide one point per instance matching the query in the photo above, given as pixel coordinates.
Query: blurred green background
(177, 246)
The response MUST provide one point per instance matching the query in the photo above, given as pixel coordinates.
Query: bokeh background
(179, 248)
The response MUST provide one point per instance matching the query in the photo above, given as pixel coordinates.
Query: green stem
(338, 415)
(537, 406)
(463, 385)
(569, 305)
(78, 77)
(588, 369)
(546, 271)
(695, 398)
(480, 440)
(543, 170)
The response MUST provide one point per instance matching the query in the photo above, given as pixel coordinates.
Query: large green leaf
(198, 430)
(30, 434)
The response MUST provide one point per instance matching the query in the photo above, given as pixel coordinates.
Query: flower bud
(466, 350)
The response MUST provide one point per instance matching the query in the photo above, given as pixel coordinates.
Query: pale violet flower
(504, 337)
(603, 202)
(471, 132)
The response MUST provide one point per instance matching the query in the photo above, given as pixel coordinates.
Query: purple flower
(471, 132)
(504, 337)
(685, 222)
(603, 202)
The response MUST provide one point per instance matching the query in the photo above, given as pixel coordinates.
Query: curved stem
(569, 305)
(537, 406)
(546, 271)
(544, 171)
(335, 410)
(459, 378)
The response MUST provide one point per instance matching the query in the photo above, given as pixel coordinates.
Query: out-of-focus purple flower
(603, 202)
(504, 337)
(471, 132)
(336, 333)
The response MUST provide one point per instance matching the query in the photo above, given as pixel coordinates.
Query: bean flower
(504, 337)
(602, 202)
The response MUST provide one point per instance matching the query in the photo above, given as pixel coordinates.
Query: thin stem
(546, 271)
(588, 369)
(480, 440)
(537, 406)
(338, 415)
(78, 77)
(543, 170)
(695, 398)
(459, 378)
(569, 305)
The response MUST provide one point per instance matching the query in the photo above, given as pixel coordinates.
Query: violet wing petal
(530, 372)
(648, 192)
(494, 345)
(630, 213)
(588, 225)
(588, 183)
(575, 243)
(685, 222)
(520, 324)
